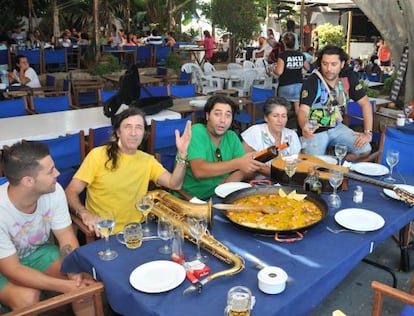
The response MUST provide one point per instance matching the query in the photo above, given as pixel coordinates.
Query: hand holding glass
(335, 179)
(407, 111)
(197, 227)
(165, 232)
(340, 152)
(105, 223)
(311, 125)
(393, 156)
(144, 205)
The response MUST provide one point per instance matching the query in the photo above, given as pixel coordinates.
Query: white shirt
(31, 74)
(259, 137)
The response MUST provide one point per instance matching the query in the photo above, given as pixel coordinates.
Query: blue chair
(55, 60)
(3, 180)
(353, 118)
(107, 94)
(161, 53)
(131, 56)
(403, 142)
(68, 153)
(34, 57)
(183, 91)
(258, 96)
(98, 136)
(162, 140)
(13, 107)
(5, 58)
(153, 91)
(48, 104)
(144, 55)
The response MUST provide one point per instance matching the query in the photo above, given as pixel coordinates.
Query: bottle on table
(312, 182)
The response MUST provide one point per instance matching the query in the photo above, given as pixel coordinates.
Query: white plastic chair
(246, 81)
(247, 64)
(205, 84)
(231, 66)
(208, 68)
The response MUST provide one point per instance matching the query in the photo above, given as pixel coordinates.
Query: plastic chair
(68, 153)
(55, 60)
(13, 107)
(98, 136)
(182, 91)
(205, 84)
(247, 64)
(208, 68)
(247, 78)
(162, 140)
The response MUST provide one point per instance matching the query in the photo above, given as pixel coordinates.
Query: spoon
(243, 208)
(337, 231)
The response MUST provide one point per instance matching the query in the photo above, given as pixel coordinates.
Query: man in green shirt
(215, 153)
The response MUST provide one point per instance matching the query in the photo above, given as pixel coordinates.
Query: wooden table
(195, 52)
(50, 125)
(144, 80)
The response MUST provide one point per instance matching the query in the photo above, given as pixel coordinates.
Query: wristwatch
(368, 132)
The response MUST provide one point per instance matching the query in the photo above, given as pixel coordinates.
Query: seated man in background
(117, 174)
(324, 97)
(24, 74)
(32, 206)
(216, 154)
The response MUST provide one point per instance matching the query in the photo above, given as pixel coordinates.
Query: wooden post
(349, 34)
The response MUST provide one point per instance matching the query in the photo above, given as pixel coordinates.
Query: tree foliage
(329, 34)
(239, 17)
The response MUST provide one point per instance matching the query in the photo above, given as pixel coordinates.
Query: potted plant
(106, 64)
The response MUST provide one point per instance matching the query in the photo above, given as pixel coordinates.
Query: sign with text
(402, 68)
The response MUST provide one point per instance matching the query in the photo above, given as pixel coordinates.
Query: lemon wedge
(282, 193)
(299, 197)
(292, 194)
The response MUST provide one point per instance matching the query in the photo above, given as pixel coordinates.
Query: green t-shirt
(202, 147)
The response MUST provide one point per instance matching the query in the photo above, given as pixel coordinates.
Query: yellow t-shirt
(118, 189)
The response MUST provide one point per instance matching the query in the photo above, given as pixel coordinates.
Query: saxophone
(175, 209)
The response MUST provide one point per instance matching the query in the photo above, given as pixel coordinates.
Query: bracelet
(180, 160)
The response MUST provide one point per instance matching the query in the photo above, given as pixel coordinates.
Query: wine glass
(407, 111)
(290, 168)
(197, 227)
(144, 205)
(393, 156)
(335, 179)
(340, 152)
(105, 223)
(165, 232)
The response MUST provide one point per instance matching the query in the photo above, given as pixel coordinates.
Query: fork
(337, 231)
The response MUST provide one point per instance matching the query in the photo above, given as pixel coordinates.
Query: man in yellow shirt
(118, 173)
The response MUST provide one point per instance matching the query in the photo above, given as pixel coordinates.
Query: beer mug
(239, 301)
(131, 236)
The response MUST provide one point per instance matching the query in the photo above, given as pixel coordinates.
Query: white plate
(359, 219)
(328, 159)
(157, 276)
(226, 188)
(198, 103)
(370, 169)
(392, 194)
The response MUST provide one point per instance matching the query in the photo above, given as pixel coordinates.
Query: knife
(196, 285)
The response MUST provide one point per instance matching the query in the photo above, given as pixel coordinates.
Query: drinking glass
(144, 205)
(240, 301)
(290, 169)
(340, 152)
(105, 223)
(197, 227)
(312, 125)
(335, 179)
(407, 111)
(393, 156)
(165, 232)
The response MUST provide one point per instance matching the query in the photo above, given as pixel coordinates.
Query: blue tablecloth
(315, 265)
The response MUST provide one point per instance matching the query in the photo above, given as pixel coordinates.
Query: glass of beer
(239, 301)
(131, 236)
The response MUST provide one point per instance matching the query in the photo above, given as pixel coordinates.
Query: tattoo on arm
(66, 250)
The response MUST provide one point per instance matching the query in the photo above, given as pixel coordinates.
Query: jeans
(339, 134)
(290, 92)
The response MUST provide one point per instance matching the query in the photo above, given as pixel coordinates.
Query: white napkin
(348, 164)
(196, 200)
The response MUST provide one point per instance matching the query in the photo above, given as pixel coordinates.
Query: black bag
(129, 91)
(153, 105)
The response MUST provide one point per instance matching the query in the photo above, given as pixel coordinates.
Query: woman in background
(208, 45)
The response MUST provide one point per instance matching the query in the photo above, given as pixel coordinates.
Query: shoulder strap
(316, 72)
